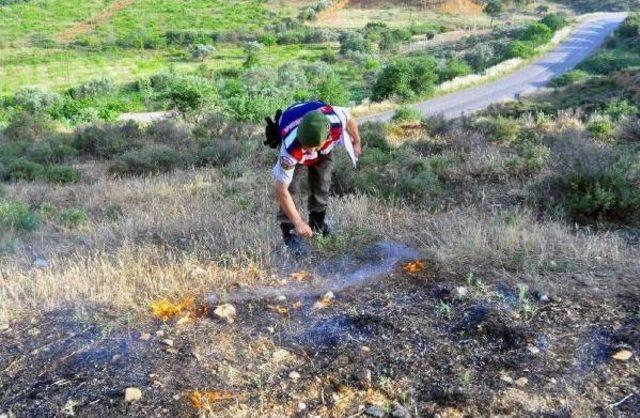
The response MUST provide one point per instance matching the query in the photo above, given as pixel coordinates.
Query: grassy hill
(479, 267)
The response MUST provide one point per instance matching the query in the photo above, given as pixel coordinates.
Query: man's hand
(357, 149)
(304, 230)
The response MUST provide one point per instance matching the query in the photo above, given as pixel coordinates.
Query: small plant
(113, 212)
(148, 160)
(444, 309)
(526, 307)
(60, 174)
(406, 114)
(201, 52)
(74, 217)
(601, 127)
(16, 216)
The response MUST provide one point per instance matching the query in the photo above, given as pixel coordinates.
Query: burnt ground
(435, 343)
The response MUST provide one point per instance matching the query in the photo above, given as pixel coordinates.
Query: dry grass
(199, 231)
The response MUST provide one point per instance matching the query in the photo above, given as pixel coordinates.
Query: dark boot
(291, 240)
(317, 223)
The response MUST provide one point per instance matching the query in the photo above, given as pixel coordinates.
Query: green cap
(313, 129)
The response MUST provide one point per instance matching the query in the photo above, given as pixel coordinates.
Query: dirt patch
(88, 25)
(466, 7)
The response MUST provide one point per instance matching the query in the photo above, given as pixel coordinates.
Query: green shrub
(406, 114)
(619, 108)
(201, 52)
(331, 89)
(374, 134)
(92, 88)
(601, 127)
(572, 77)
(36, 101)
(106, 141)
(220, 152)
(502, 129)
(28, 127)
(351, 41)
(74, 217)
(607, 195)
(16, 216)
(531, 160)
(607, 62)
(21, 169)
(147, 160)
(554, 21)
(452, 69)
(113, 212)
(405, 78)
(481, 56)
(520, 49)
(536, 33)
(60, 174)
(46, 211)
(629, 130)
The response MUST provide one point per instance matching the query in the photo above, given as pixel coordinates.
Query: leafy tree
(494, 8)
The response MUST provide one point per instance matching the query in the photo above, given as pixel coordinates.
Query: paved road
(581, 43)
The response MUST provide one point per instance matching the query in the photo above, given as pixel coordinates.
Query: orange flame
(413, 267)
(202, 399)
(165, 309)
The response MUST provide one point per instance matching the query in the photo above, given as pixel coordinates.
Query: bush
(536, 33)
(406, 114)
(21, 169)
(28, 127)
(629, 130)
(374, 135)
(74, 217)
(619, 108)
(520, 49)
(554, 21)
(601, 127)
(93, 88)
(502, 129)
(572, 77)
(36, 101)
(60, 174)
(353, 42)
(452, 69)
(405, 78)
(220, 152)
(331, 89)
(608, 62)
(189, 92)
(148, 160)
(106, 141)
(609, 195)
(481, 56)
(201, 52)
(16, 216)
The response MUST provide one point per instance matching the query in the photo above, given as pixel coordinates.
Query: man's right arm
(283, 173)
(289, 208)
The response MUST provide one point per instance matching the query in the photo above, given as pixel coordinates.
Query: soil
(415, 340)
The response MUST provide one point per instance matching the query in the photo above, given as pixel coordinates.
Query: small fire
(301, 276)
(165, 309)
(202, 399)
(282, 310)
(413, 267)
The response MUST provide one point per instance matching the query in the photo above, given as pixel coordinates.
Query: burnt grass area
(433, 343)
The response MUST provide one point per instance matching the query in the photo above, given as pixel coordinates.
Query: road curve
(582, 42)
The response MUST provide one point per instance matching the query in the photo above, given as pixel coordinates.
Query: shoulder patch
(287, 163)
